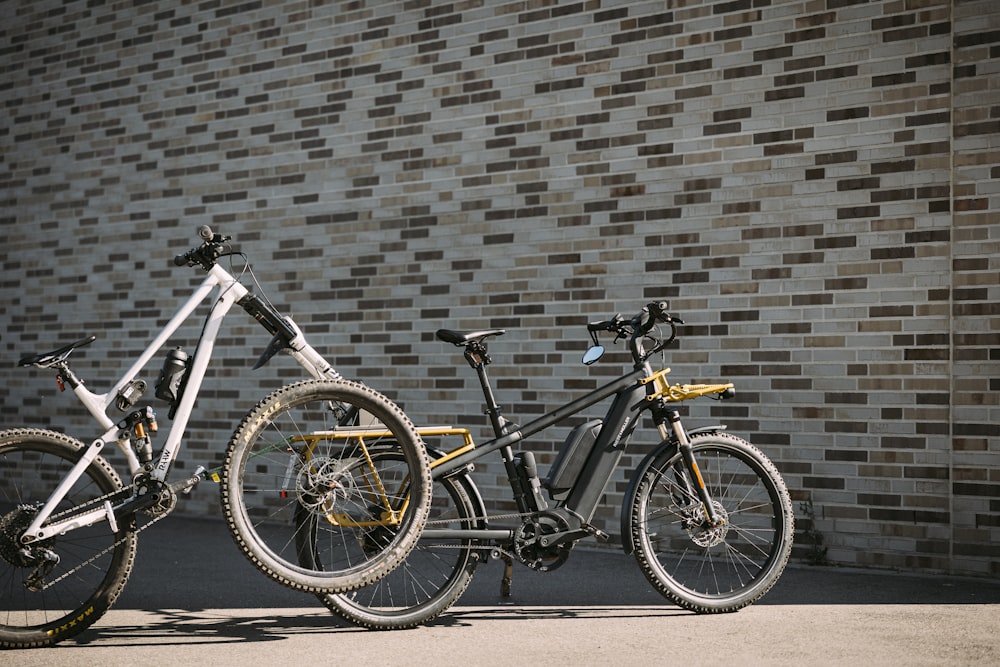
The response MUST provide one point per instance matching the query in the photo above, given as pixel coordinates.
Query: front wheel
(704, 568)
(307, 448)
(54, 589)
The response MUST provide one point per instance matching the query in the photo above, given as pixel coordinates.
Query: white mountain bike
(297, 478)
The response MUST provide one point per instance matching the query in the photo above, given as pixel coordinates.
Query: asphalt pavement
(193, 599)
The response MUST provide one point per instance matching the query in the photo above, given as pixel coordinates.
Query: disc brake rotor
(702, 532)
(323, 483)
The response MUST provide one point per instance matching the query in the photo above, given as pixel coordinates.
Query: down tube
(622, 417)
(198, 367)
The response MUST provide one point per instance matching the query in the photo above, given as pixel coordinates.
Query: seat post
(475, 354)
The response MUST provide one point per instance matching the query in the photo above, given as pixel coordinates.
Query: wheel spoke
(708, 566)
(309, 506)
(53, 589)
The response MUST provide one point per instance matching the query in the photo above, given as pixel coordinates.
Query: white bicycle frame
(230, 292)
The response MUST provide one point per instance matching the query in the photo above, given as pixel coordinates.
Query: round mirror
(593, 354)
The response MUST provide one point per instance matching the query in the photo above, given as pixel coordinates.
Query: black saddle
(461, 338)
(46, 359)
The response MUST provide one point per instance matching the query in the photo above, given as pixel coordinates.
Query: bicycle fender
(462, 476)
(640, 471)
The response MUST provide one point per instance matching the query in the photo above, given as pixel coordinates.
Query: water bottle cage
(173, 377)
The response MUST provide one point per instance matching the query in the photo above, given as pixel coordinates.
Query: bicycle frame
(230, 292)
(620, 420)
(633, 393)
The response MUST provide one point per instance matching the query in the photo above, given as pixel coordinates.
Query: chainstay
(485, 517)
(114, 545)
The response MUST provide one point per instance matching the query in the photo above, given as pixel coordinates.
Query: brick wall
(812, 184)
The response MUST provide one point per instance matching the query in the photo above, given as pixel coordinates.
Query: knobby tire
(431, 579)
(697, 567)
(286, 458)
(32, 462)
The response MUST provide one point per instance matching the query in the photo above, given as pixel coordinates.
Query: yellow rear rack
(389, 516)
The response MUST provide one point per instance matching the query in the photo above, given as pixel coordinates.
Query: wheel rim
(723, 563)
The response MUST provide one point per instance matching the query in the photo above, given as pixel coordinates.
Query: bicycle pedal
(185, 486)
(596, 532)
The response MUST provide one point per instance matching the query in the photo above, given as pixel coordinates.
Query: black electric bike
(706, 514)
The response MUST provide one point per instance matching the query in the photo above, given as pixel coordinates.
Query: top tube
(98, 404)
(543, 422)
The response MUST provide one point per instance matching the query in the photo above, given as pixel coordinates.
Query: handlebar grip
(658, 310)
(646, 319)
(607, 325)
(207, 253)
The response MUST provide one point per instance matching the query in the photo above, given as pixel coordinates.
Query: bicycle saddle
(55, 356)
(466, 337)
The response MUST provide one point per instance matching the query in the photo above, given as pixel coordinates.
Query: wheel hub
(702, 532)
(323, 483)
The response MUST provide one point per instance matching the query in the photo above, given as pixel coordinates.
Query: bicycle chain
(93, 558)
(498, 549)
(107, 549)
(155, 519)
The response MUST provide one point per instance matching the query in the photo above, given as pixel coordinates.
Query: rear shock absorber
(138, 425)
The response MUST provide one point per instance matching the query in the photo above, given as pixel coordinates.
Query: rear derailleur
(38, 556)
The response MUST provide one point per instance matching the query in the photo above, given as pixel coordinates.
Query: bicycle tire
(295, 449)
(433, 576)
(712, 570)
(32, 462)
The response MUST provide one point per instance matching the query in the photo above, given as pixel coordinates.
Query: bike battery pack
(571, 458)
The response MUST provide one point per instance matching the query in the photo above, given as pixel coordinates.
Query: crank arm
(185, 486)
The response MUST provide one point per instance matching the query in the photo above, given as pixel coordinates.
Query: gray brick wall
(813, 185)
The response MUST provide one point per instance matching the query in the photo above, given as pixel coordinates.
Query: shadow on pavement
(193, 564)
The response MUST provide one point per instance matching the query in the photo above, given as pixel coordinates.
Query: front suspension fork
(671, 424)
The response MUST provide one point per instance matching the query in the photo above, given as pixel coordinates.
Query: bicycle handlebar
(638, 327)
(207, 253)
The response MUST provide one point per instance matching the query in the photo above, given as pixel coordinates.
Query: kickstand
(508, 574)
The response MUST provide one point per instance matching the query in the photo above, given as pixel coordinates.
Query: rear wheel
(710, 569)
(54, 589)
(431, 579)
(306, 449)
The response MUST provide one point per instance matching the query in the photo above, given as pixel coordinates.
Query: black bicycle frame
(585, 494)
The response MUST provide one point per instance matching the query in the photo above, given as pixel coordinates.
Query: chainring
(528, 545)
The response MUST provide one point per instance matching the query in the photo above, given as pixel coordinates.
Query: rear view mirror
(593, 354)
